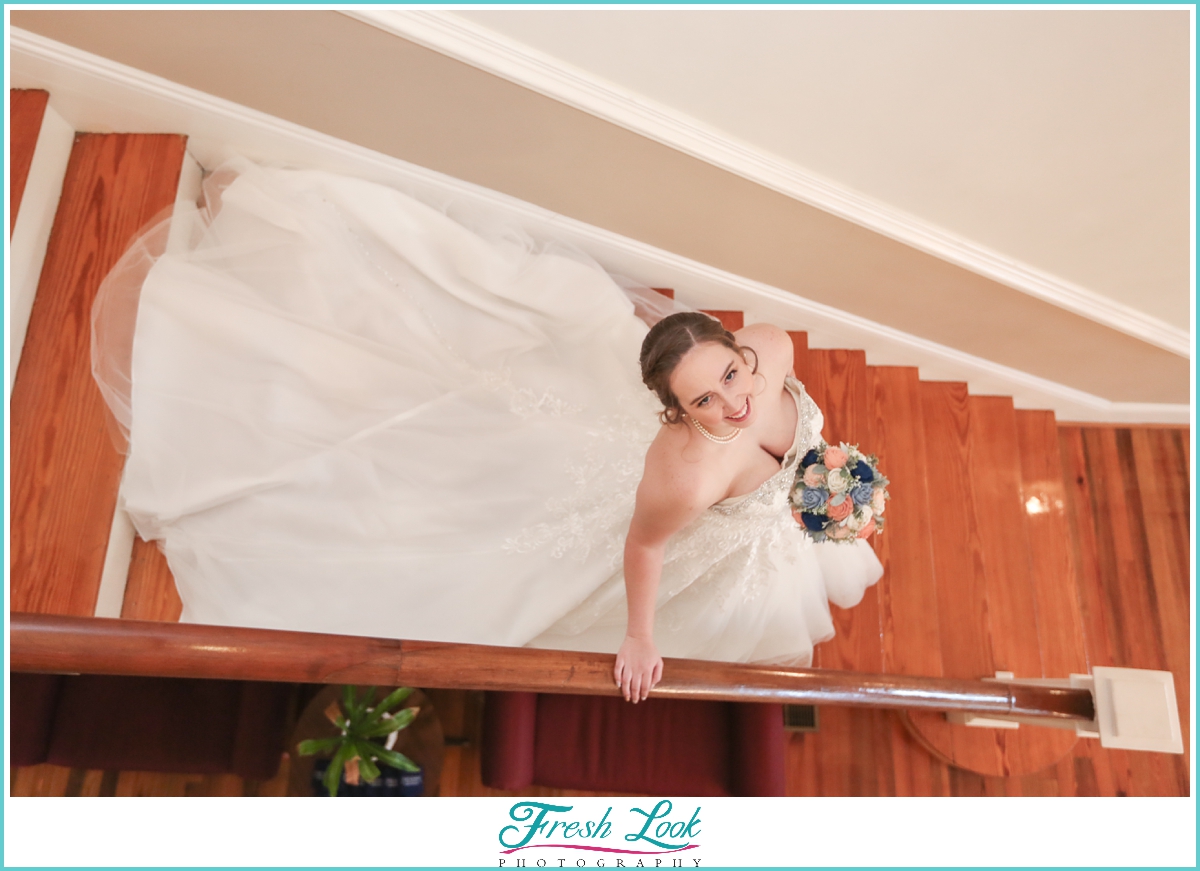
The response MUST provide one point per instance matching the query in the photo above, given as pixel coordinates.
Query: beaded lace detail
(729, 552)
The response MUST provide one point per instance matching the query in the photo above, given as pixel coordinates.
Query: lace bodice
(725, 552)
(769, 491)
(757, 521)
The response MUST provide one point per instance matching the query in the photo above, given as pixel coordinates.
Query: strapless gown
(347, 412)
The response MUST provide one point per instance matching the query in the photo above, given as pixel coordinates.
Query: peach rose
(878, 502)
(840, 511)
(867, 529)
(813, 477)
(835, 458)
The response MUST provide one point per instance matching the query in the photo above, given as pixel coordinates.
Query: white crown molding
(494, 53)
(95, 93)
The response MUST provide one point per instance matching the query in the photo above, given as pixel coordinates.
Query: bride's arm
(666, 503)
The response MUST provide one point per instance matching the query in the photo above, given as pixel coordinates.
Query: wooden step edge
(33, 209)
(26, 108)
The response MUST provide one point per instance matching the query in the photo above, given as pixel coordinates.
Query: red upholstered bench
(150, 724)
(678, 747)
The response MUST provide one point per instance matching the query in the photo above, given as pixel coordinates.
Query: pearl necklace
(721, 440)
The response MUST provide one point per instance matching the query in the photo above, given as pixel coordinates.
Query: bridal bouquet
(839, 493)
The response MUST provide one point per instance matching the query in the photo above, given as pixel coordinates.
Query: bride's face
(715, 386)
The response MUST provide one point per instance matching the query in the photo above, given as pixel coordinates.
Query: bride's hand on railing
(638, 667)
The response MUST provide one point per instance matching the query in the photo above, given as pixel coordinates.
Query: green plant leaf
(334, 773)
(318, 745)
(367, 769)
(349, 700)
(394, 698)
(391, 724)
(396, 760)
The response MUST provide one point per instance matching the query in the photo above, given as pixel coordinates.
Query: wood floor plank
(1084, 550)
(64, 469)
(1115, 568)
(39, 780)
(1133, 639)
(908, 598)
(150, 592)
(1163, 494)
(26, 108)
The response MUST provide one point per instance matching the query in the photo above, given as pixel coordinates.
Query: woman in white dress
(346, 412)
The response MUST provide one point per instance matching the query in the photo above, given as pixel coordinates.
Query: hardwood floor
(1128, 504)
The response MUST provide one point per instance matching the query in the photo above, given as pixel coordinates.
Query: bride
(344, 411)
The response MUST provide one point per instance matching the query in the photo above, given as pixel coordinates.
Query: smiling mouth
(743, 414)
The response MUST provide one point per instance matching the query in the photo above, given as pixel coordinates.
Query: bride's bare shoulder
(776, 354)
(676, 468)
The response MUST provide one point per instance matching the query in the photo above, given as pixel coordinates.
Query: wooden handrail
(94, 645)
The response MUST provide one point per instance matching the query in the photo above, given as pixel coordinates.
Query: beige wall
(1057, 138)
(328, 72)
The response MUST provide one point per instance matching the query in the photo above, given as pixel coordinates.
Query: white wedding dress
(348, 413)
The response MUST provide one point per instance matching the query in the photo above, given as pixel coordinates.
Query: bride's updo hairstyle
(667, 343)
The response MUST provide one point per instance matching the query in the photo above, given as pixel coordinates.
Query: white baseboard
(115, 574)
(117, 558)
(97, 94)
(521, 64)
(31, 233)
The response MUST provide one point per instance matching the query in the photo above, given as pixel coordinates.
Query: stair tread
(150, 592)
(799, 355)
(837, 382)
(731, 320)
(1056, 597)
(26, 110)
(908, 589)
(65, 470)
(987, 604)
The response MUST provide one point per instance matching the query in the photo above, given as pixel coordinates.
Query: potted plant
(357, 750)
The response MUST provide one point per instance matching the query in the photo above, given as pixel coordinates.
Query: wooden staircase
(1014, 543)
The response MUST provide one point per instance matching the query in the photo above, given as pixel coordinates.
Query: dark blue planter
(391, 782)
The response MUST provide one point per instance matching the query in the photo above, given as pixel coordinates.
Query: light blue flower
(814, 497)
(862, 494)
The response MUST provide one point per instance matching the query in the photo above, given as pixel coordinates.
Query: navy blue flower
(809, 459)
(813, 497)
(862, 494)
(862, 471)
(814, 522)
